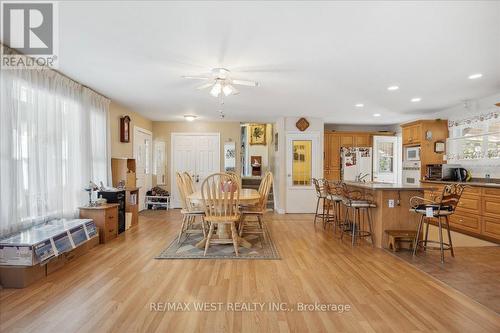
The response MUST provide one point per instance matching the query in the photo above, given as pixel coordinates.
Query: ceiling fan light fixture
(228, 89)
(216, 89)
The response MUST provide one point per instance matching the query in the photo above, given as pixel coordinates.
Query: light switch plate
(391, 203)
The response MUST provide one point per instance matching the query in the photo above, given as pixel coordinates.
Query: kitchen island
(393, 207)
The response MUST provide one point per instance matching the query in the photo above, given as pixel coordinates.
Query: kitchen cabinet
(477, 213)
(362, 140)
(425, 133)
(412, 134)
(334, 141)
(347, 140)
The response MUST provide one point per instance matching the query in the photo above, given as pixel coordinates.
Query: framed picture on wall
(258, 134)
(439, 147)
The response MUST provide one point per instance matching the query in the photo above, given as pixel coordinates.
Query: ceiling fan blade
(235, 91)
(246, 83)
(195, 77)
(206, 85)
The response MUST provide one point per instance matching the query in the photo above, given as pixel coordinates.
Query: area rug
(262, 249)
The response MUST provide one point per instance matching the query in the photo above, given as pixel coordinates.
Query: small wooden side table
(105, 218)
(396, 237)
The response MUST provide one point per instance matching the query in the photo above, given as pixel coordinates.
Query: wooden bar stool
(360, 207)
(333, 190)
(319, 186)
(440, 208)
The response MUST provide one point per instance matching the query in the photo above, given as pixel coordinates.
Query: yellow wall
(120, 149)
(229, 131)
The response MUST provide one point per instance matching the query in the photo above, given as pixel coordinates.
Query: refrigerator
(356, 161)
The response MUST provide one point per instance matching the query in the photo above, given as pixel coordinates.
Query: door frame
(396, 157)
(138, 129)
(316, 167)
(173, 135)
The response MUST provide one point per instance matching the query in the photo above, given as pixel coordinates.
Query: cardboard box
(64, 258)
(20, 277)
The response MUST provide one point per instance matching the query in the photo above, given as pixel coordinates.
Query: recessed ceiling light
(416, 99)
(359, 105)
(376, 114)
(392, 88)
(475, 76)
(189, 117)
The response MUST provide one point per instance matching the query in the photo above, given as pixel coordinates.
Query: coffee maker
(461, 174)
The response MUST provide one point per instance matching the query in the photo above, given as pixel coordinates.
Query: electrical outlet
(391, 203)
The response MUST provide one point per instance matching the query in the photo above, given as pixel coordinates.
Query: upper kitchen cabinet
(412, 133)
(425, 133)
(362, 140)
(347, 140)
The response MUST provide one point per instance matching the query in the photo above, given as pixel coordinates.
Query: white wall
(278, 167)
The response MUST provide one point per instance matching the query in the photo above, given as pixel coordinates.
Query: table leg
(224, 232)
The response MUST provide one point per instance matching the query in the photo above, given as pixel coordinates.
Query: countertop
(385, 186)
(492, 183)
(103, 206)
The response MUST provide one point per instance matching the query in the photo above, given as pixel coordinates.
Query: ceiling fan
(221, 82)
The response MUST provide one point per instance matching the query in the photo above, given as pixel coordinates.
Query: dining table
(248, 196)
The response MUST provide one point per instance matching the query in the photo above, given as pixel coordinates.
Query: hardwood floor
(475, 271)
(112, 288)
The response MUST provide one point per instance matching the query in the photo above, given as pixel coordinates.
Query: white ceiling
(313, 59)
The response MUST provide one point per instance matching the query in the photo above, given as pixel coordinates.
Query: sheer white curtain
(53, 135)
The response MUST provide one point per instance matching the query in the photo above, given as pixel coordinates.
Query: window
(302, 163)
(385, 157)
(474, 141)
(53, 143)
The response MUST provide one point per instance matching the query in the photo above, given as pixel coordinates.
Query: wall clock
(125, 129)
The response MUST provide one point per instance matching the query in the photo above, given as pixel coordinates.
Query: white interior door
(198, 154)
(143, 151)
(385, 159)
(304, 162)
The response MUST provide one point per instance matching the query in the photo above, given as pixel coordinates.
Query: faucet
(360, 177)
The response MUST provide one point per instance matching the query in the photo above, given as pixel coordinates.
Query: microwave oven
(412, 154)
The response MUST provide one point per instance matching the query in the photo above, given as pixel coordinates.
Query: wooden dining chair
(189, 211)
(257, 210)
(221, 198)
(188, 180)
(236, 176)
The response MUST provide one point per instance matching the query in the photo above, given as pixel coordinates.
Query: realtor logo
(29, 28)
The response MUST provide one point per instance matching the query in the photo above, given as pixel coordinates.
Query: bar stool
(358, 204)
(441, 207)
(333, 191)
(319, 185)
